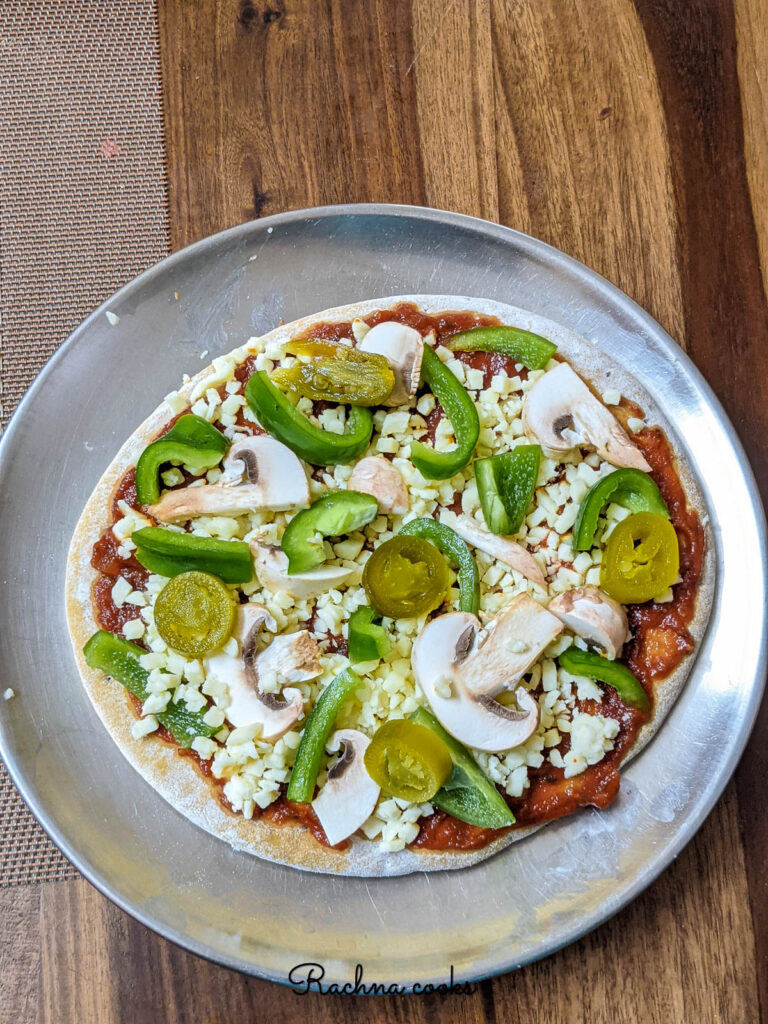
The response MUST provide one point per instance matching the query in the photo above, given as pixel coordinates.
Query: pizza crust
(177, 779)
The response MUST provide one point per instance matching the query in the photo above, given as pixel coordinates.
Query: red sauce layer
(661, 638)
(660, 631)
(287, 812)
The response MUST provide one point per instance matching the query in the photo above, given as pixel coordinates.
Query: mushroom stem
(502, 549)
(594, 616)
(403, 348)
(349, 795)
(272, 571)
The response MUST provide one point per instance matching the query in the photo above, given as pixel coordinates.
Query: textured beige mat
(82, 210)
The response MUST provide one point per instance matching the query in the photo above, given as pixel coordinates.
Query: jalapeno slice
(408, 761)
(450, 543)
(405, 577)
(641, 559)
(338, 373)
(194, 613)
(631, 488)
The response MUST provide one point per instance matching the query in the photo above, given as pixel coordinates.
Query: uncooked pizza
(391, 586)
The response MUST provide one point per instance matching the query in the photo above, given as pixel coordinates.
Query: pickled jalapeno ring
(194, 613)
(641, 559)
(342, 374)
(405, 577)
(408, 761)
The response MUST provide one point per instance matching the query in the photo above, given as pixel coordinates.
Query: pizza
(391, 586)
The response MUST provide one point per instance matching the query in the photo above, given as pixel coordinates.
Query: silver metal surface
(234, 908)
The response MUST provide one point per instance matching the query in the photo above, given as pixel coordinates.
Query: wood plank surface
(632, 135)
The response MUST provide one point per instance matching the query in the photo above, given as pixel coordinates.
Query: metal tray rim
(538, 248)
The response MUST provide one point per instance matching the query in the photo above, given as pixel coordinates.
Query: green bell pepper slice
(119, 659)
(612, 673)
(169, 553)
(311, 443)
(631, 488)
(368, 640)
(456, 549)
(524, 347)
(301, 786)
(191, 441)
(330, 516)
(469, 794)
(460, 410)
(505, 486)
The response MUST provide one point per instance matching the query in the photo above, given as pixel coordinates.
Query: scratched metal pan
(256, 916)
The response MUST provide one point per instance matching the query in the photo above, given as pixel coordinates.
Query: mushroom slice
(508, 646)
(377, 476)
(349, 796)
(562, 413)
(477, 664)
(258, 472)
(501, 548)
(591, 614)
(296, 659)
(272, 570)
(403, 348)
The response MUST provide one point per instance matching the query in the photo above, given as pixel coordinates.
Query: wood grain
(629, 133)
(679, 953)
(20, 943)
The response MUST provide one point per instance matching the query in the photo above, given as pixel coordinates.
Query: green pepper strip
(595, 666)
(524, 347)
(368, 640)
(451, 544)
(284, 421)
(460, 410)
(330, 516)
(119, 659)
(505, 485)
(469, 794)
(191, 441)
(301, 787)
(169, 553)
(631, 488)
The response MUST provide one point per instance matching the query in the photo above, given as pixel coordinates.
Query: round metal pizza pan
(256, 916)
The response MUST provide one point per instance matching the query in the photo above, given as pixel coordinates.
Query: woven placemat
(83, 209)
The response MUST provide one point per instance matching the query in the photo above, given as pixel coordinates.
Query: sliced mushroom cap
(477, 665)
(349, 796)
(504, 550)
(272, 570)
(508, 646)
(377, 476)
(257, 473)
(297, 661)
(403, 348)
(591, 614)
(562, 413)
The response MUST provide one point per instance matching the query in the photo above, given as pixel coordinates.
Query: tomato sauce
(660, 635)
(661, 638)
(288, 812)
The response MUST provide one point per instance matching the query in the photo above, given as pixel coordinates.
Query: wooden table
(632, 135)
